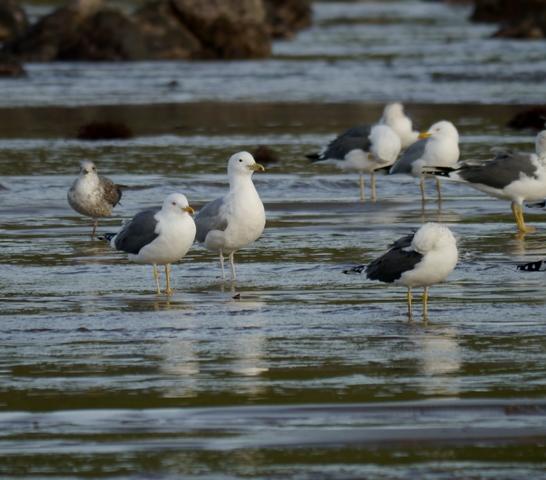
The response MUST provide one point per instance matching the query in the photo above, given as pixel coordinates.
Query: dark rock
(13, 20)
(107, 35)
(521, 19)
(55, 33)
(534, 118)
(10, 67)
(165, 34)
(287, 17)
(162, 29)
(227, 28)
(104, 131)
(265, 155)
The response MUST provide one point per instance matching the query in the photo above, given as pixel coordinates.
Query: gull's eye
(174, 203)
(240, 160)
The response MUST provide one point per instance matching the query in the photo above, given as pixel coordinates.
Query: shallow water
(309, 373)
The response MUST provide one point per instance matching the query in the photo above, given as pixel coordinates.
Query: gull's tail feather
(355, 269)
(439, 171)
(538, 266)
(107, 237)
(314, 157)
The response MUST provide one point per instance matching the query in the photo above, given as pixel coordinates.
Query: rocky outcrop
(10, 67)
(13, 20)
(518, 19)
(286, 17)
(162, 29)
(532, 119)
(227, 28)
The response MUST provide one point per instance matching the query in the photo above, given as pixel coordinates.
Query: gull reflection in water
(181, 361)
(440, 361)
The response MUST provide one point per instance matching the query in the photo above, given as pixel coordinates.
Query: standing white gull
(394, 117)
(439, 146)
(416, 260)
(363, 149)
(518, 177)
(238, 218)
(93, 195)
(366, 149)
(158, 236)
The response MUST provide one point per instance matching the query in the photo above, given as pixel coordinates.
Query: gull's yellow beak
(423, 135)
(188, 209)
(257, 167)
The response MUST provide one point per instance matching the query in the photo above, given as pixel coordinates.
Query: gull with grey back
(158, 236)
(438, 146)
(93, 195)
(368, 149)
(421, 259)
(237, 219)
(514, 176)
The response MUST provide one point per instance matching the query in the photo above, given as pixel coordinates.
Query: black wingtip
(531, 266)
(537, 204)
(356, 269)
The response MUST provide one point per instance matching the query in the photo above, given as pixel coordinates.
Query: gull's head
(393, 110)
(442, 129)
(87, 167)
(433, 236)
(177, 203)
(540, 144)
(243, 163)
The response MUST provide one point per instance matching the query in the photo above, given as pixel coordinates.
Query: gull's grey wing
(138, 232)
(210, 217)
(112, 192)
(352, 139)
(506, 167)
(391, 265)
(414, 152)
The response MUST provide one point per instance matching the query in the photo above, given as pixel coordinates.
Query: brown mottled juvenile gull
(93, 195)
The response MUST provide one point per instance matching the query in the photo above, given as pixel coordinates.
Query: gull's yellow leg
(361, 183)
(372, 181)
(438, 189)
(422, 187)
(222, 265)
(517, 210)
(410, 299)
(95, 223)
(156, 277)
(168, 289)
(425, 304)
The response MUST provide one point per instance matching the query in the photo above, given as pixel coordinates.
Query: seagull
(158, 236)
(394, 117)
(93, 195)
(420, 259)
(238, 218)
(366, 148)
(514, 176)
(439, 146)
(363, 149)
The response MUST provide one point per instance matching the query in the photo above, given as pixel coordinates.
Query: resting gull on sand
(421, 259)
(93, 195)
(238, 218)
(158, 236)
